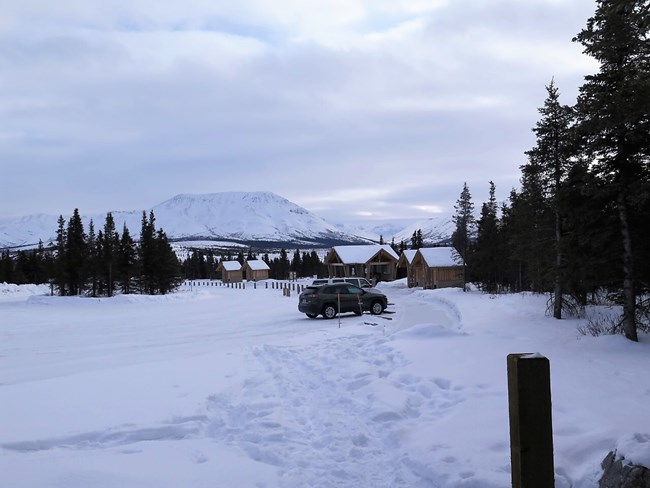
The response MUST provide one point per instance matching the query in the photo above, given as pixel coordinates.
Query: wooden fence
(286, 286)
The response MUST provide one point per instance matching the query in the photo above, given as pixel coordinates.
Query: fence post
(531, 426)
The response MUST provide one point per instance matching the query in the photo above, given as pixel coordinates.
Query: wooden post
(531, 426)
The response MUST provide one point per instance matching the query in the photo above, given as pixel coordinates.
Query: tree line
(579, 223)
(98, 263)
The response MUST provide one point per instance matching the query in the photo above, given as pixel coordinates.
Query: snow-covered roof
(257, 264)
(438, 256)
(363, 253)
(231, 265)
(409, 254)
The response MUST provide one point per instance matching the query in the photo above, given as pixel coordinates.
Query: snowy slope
(27, 230)
(239, 216)
(375, 229)
(245, 216)
(434, 230)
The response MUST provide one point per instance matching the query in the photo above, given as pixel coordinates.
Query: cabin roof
(362, 253)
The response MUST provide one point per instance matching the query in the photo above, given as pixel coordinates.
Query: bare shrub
(601, 324)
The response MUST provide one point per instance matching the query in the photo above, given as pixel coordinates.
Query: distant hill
(238, 217)
(244, 218)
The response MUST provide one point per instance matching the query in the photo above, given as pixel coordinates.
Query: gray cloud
(383, 109)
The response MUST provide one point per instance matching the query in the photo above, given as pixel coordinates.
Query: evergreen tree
(465, 226)
(612, 108)
(416, 239)
(6, 267)
(75, 254)
(282, 266)
(60, 267)
(146, 253)
(296, 263)
(486, 255)
(551, 159)
(166, 268)
(93, 258)
(394, 246)
(126, 260)
(109, 245)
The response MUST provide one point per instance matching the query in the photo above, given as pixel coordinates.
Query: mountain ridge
(234, 216)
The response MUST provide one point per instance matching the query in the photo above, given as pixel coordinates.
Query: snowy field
(222, 387)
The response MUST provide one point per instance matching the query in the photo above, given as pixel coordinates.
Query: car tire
(376, 308)
(329, 311)
(311, 315)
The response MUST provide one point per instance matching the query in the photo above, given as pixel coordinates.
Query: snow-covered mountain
(244, 216)
(227, 216)
(435, 230)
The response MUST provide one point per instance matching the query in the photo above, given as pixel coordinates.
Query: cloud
(349, 107)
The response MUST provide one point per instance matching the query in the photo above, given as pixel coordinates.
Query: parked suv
(360, 282)
(325, 300)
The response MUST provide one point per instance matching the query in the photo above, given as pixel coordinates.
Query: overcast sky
(350, 108)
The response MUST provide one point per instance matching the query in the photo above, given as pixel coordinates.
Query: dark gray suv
(325, 300)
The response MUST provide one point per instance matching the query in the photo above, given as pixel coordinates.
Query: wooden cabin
(231, 271)
(436, 267)
(374, 262)
(405, 267)
(256, 269)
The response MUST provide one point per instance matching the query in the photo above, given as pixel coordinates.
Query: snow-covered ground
(227, 387)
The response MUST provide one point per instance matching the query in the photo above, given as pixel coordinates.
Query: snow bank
(9, 291)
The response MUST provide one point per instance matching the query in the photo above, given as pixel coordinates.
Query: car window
(329, 290)
(354, 289)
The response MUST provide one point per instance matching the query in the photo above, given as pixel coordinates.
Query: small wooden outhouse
(256, 269)
(231, 271)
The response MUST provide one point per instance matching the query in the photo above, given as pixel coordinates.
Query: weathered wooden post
(531, 426)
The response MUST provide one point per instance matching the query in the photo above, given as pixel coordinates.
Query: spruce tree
(75, 254)
(60, 266)
(465, 226)
(93, 258)
(166, 275)
(110, 244)
(296, 263)
(487, 252)
(126, 261)
(551, 160)
(612, 108)
(146, 253)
